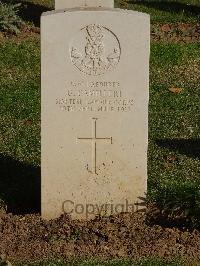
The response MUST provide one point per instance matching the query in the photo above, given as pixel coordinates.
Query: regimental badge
(95, 50)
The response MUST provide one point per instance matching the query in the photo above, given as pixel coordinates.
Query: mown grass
(161, 11)
(174, 136)
(165, 10)
(20, 126)
(20, 101)
(174, 120)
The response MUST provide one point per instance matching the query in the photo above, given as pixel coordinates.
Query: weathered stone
(95, 80)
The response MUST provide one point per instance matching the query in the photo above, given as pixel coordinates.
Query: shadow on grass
(189, 147)
(169, 6)
(29, 12)
(20, 186)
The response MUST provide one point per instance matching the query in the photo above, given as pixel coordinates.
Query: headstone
(95, 87)
(62, 4)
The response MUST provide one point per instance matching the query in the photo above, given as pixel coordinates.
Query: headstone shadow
(20, 186)
(189, 147)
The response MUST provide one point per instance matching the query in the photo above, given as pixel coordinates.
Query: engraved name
(95, 97)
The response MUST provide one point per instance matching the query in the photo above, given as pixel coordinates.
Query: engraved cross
(94, 139)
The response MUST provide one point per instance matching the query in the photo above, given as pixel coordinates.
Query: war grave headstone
(95, 92)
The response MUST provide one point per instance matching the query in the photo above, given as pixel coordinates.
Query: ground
(170, 228)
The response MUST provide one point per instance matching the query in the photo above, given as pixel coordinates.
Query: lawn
(174, 119)
(165, 11)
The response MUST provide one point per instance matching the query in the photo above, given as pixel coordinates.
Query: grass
(20, 125)
(174, 145)
(20, 105)
(165, 10)
(174, 166)
(161, 11)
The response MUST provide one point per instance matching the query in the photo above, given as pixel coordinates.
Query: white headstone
(95, 90)
(62, 4)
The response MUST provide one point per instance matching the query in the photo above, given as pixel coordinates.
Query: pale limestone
(95, 84)
(62, 4)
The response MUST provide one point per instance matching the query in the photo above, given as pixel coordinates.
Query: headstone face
(95, 83)
(62, 4)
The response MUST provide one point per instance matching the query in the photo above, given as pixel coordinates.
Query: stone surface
(62, 4)
(95, 89)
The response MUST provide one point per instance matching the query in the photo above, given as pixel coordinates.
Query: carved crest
(95, 50)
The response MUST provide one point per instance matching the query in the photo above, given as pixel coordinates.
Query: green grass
(20, 125)
(174, 136)
(164, 11)
(20, 100)
(161, 11)
(174, 121)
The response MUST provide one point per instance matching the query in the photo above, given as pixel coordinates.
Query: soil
(26, 33)
(29, 238)
(176, 32)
